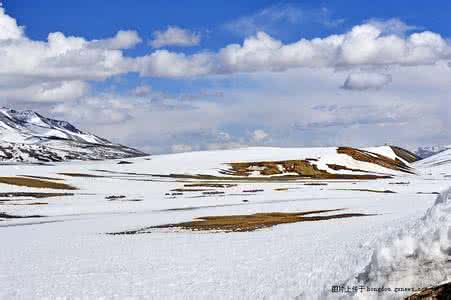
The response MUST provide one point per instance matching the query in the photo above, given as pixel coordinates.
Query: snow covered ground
(67, 253)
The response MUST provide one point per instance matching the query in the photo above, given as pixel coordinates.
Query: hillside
(27, 136)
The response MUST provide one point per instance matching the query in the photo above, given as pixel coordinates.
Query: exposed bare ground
(405, 154)
(35, 183)
(33, 195)
(303, 169)
(242, 223)
(80, 175)
(442, 291)
(374, 158)
(368, 190)
(189, 190)
(212, 185)
(8, 216)
(41, 177)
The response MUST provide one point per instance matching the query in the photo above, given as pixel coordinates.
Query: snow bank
(416, 257)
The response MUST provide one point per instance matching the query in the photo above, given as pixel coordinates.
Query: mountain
(26, 136)
(428, 151)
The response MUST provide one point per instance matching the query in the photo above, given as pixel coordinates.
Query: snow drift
(417, 257)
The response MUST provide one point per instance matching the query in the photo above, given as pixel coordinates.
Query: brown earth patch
(35, 183)
(243, 223)
(303, 169)
(189, 190)
(33, 195)
(202, 177)
(374, 158)
(41, 177)
(8, 216)
(32, 203)
(428, 193)
(253, 191)
(439, 292)
(405, 154)
(213, 193)
(340, 167)
(212, 185)
(81, 175)
(368, 190)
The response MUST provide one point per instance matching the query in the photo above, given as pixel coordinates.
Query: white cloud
(174, 36)
(364, 45)
(163, 63)
(141, 91)
(392, 26)
(46, 92)
(68, 58)
(276, 19)
(301, 107)
(124, 39)
(178, 148)
(9, 30)
(259, 135)
(366, 80)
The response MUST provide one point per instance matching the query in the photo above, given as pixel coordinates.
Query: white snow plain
(67, 254)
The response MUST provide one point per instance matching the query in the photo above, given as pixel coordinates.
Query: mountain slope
(30, 137)
(427, 151)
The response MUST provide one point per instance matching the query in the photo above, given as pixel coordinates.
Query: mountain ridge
(27, 136)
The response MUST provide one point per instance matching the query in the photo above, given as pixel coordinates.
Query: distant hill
(26, 136)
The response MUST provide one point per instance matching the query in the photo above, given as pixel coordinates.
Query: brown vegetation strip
(81, 175)
(374, 158)
(33, 195)
(368, 190)
(442, 291)
(8, 216)
(212, 185)
(242, 223)
(303, 169)
(41, 177)
(189, 190)
(246, 178)
(253, 191)
(35, 183)
(340, 167)
(212, 193)
(405, 154)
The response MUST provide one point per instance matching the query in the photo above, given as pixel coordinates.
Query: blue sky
(193, 75)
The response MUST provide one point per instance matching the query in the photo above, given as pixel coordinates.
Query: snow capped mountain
(26, 136)
(428, 151)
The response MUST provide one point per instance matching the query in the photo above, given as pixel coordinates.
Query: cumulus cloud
(97, 110)
(9, 30)
(366, 80)
(141, 91)
(46, 91)
(69, 58)
(178, 148)
(57, 69)
(259, 135)
(275, 19)
(368, 44)
(124, 39)
(300, 107)
(392, 26)
(174, 36)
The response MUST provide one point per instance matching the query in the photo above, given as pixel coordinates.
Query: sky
(174, 76)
